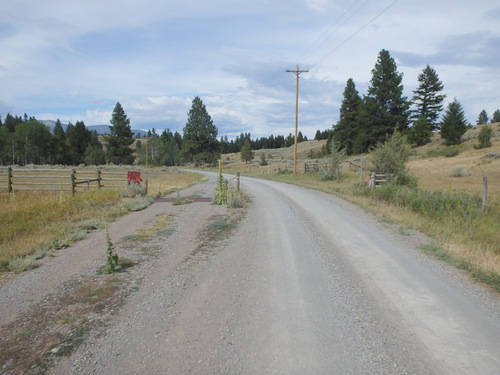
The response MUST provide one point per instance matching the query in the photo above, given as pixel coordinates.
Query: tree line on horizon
(364, 122)
(28, 141)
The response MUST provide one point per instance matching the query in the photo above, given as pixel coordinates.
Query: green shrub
(21, 264)
(285, 171)
(236, 199)
(112, 264)
(484, 137)
(263, 160)
(391, 157)
(137, 203)
(135, 189)
(435, 204)
(330, 175)
(458, 171)
(180, 201)
(220, 194)
(451, 151)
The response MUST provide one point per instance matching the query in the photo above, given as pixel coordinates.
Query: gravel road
(307, 284)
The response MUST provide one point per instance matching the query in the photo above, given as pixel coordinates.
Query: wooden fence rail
(377, 180)
(315, 167)
(73, 180)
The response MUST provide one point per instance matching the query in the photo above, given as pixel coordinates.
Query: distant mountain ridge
(100, 129)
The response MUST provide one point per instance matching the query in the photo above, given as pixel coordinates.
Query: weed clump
(458, 171)
(112, 264)
(236, 199)
(220, 196)
(135, 189)
(180, 201)
(22, 264)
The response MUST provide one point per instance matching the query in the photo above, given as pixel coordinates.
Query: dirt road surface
(307, 284)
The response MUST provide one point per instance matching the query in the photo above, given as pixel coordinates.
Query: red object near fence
(134, 178)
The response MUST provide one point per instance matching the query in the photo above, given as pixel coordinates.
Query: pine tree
(121, 137)
(200, 144)
(483, 118)
(58, 130)
(426, 98)
(496, 116)
(421, 132)
(347, 128)
(4, 145)
(78, 138)
(247, 153)
(453, 124)
(385, 108)
(94, 153)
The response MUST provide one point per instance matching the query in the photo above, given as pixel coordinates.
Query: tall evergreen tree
(94, 153)
(348, 126)
(121, 137)
(385, 108)
(11, 122)
(496, 116)
(58, 130)
(78, 138)
(247, 153)
(421, 132)
(483, 118)
(200, 144)
(427, 98)
(453, 124)
(4, 145)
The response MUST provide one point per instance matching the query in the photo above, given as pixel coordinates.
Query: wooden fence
(376, 180)
(315, 167)
(74, 180)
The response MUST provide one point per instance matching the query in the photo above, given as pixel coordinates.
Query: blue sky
(73, 60)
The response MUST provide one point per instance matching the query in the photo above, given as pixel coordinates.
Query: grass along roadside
(35, 223)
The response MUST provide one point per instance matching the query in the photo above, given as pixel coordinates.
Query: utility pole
(297, 73)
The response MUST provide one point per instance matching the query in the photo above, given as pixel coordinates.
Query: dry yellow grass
(161, 180)
(30, 219)
(433, 173)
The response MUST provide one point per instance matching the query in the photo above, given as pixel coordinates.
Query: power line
(331, 27)
(357, 32)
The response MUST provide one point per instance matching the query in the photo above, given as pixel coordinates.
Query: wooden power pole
(297, 73)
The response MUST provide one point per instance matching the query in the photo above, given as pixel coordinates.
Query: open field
(33, 223)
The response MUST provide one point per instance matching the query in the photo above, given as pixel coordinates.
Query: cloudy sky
(73, 60)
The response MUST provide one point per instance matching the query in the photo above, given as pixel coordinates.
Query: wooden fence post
(485, 190)
(238, 181)
(9, 179)
(361, 177)
(372, 181)
(99, 179)
(73, 184)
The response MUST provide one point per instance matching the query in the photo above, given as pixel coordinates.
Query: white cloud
(75, 59)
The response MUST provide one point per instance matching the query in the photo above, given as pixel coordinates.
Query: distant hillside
(100, 129)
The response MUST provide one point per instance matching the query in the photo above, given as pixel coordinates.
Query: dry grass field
(33, 222)
(433, 172)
